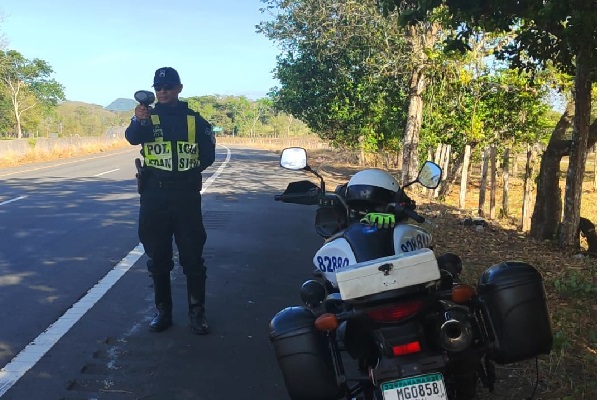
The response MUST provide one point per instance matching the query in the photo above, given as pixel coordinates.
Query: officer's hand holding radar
(142, 110)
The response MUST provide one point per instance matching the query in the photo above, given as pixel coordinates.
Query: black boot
(198, 322)
(164, 305)
(196, 295)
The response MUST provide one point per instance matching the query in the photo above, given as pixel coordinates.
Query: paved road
(65, 227)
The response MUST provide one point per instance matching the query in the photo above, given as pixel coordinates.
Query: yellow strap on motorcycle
(191, 123)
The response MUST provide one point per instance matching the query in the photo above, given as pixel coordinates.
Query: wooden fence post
(493, 182)
(527, 191)
(483, 181)
(464, 180)
(505, 186)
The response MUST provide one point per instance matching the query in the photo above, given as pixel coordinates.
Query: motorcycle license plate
(422, 387)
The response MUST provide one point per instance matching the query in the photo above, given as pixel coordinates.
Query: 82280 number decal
(420, 241)
(331, 264)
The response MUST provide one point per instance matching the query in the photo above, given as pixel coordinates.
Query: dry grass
(33, 155)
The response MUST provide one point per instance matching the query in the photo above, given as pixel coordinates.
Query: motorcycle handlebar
(413, 215)
(313, 197)
(406, 211)
(298, 198)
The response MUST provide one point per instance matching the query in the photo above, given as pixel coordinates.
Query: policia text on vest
(159, 154)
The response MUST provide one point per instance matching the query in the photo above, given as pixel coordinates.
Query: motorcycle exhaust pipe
(455, 332)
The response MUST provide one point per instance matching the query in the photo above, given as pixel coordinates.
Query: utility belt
(146, 180)
(170, 184)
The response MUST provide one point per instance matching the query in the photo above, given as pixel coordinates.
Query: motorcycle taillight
(408, 348)
(397, 312)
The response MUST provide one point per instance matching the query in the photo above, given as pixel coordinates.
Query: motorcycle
(385, 318)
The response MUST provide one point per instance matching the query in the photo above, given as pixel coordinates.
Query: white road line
(34, 351)
(11, 200)
(214, 176)
(104, 173)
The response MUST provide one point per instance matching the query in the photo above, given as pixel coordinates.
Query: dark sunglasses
(158, 88)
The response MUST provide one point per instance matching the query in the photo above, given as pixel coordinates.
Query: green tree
(205, 105)
(550, 31)
(237, 114)
(339, 70)
(27, 84)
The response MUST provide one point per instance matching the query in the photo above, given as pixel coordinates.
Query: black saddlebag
(303, 355)
(515, 312)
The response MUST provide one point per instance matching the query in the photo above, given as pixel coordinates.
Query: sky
(109, 49)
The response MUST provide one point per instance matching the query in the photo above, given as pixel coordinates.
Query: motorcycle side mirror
(293, 158)
(144, 97)
(430, 175)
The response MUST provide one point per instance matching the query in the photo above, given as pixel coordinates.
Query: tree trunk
(452, 176)
(361, 155)
(569, 232)
(527, 190)
(17, 114)
(595, 163)
(422, 38)
(444, 161)
(289, 125)
(505, 186)
(483, 182)
(438, 153)
(493, 182)
(446, 165)
(548, 202)
(464, 180)
(410, 154)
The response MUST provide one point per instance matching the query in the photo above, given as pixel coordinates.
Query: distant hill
(84, 119)
(121, 104)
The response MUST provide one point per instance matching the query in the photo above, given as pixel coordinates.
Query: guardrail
(16, 147)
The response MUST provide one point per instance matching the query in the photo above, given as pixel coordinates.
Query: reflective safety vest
(159, 153)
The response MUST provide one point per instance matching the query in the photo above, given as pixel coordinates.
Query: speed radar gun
(145, 98)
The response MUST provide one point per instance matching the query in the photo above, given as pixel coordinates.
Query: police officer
(177, 145)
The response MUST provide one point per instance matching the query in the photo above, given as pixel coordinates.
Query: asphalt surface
(63, 226)
(258, 254)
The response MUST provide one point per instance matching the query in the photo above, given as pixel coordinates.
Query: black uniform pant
(167, 213)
